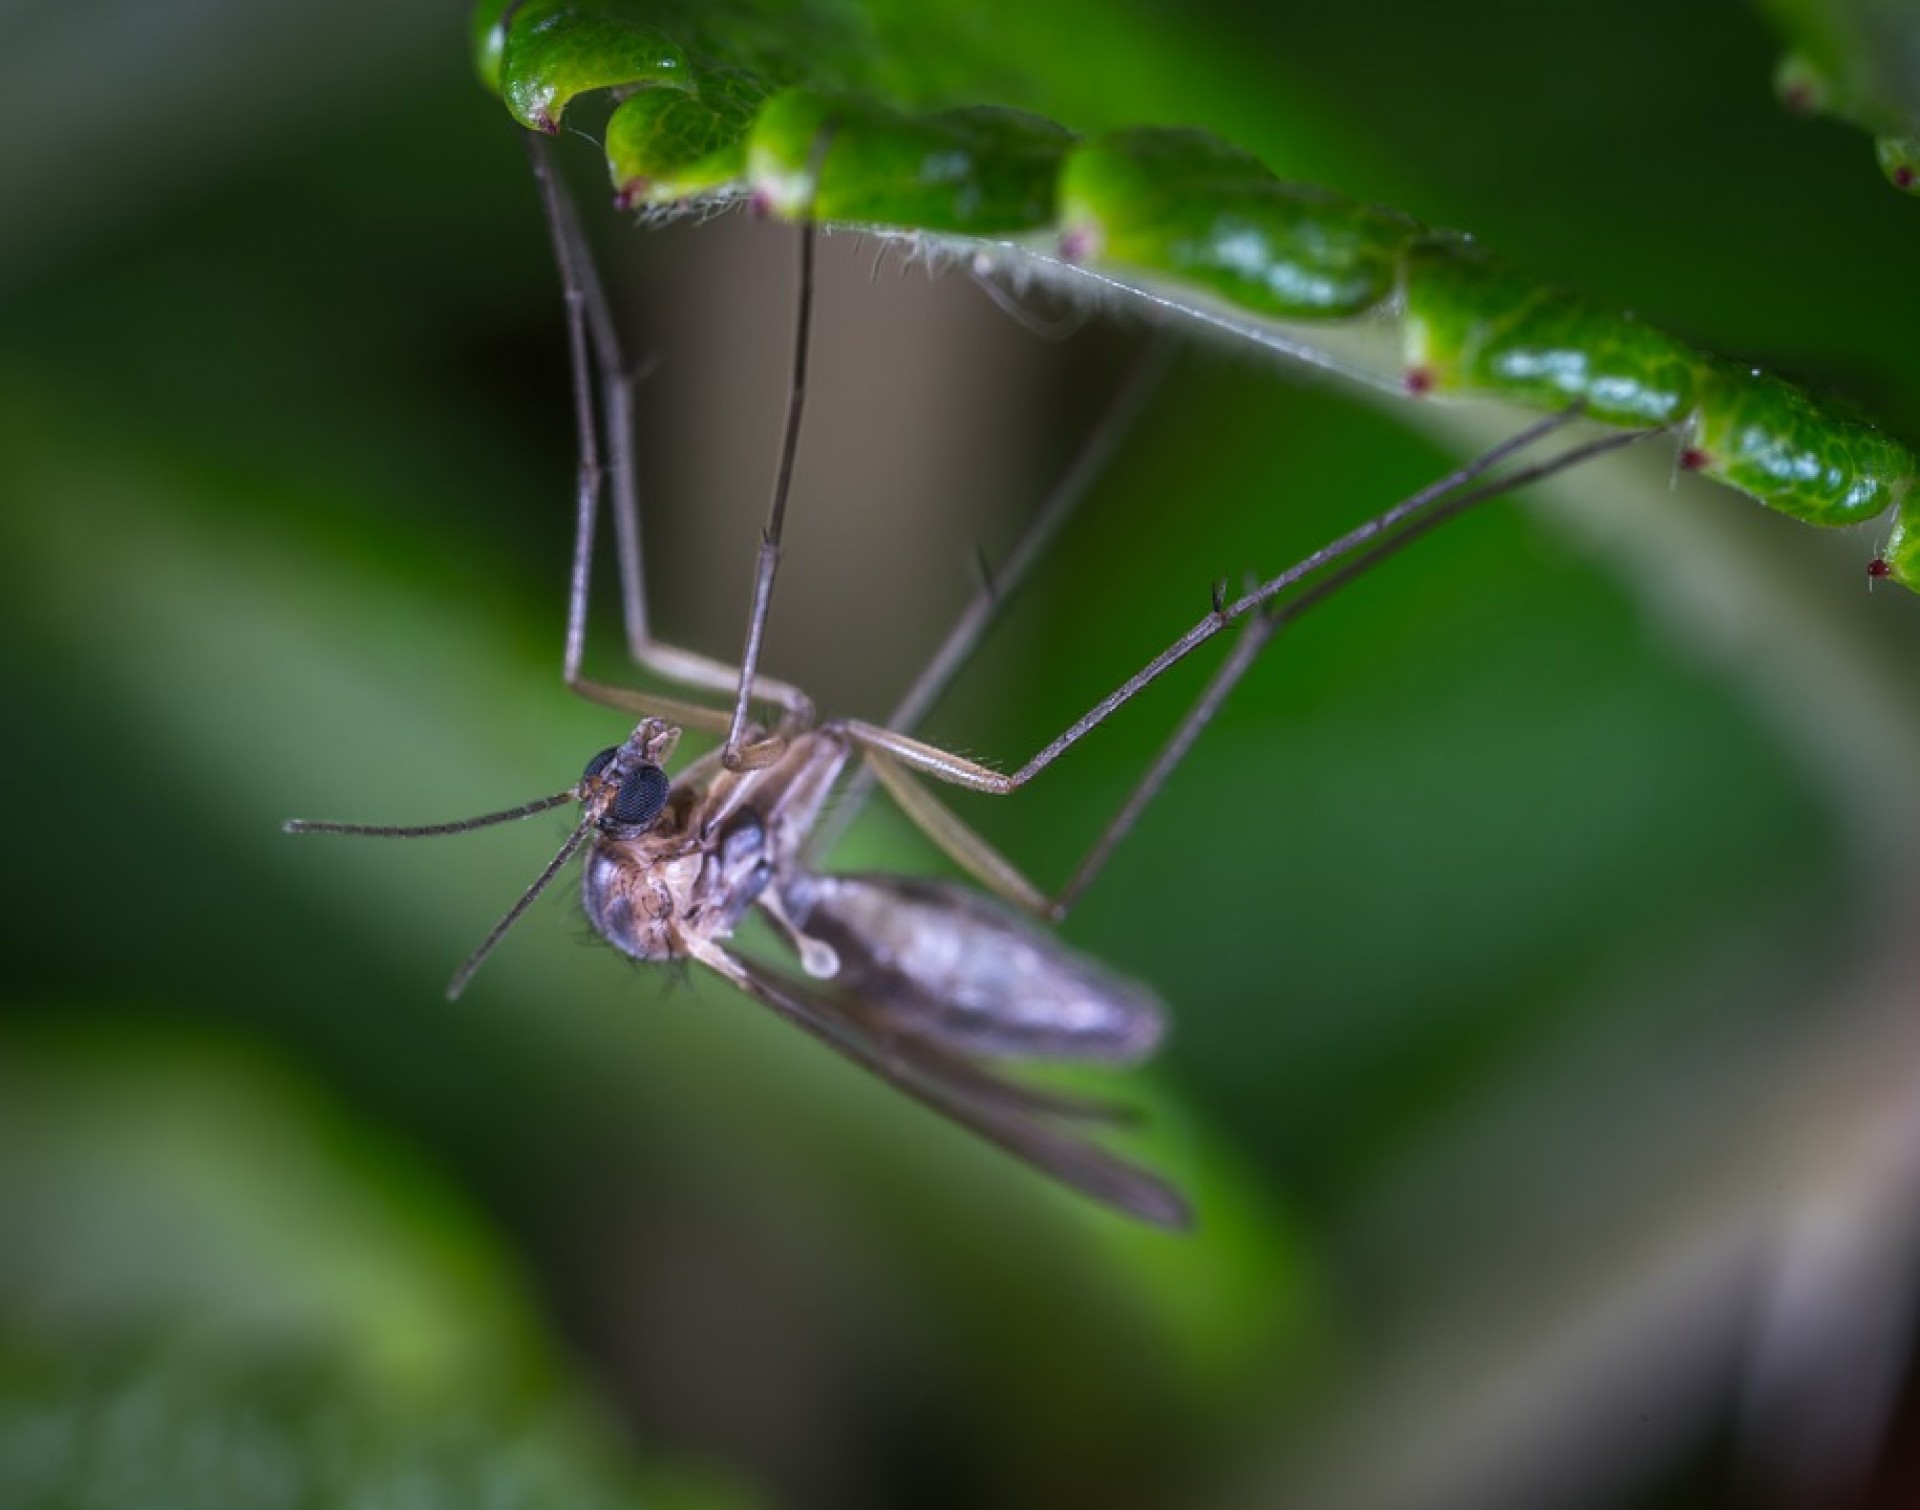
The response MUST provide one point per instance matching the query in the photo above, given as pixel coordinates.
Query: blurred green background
(1538, 921)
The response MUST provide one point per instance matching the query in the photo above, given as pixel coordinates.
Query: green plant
(1535, 921)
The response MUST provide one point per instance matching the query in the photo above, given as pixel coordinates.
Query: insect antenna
(461, 826)
(431, 830)
(514, 913)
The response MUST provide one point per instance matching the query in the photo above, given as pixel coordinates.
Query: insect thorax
(649, 893)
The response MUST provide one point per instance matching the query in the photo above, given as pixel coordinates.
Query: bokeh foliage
(1477, 912)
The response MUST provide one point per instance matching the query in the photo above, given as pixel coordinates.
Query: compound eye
(640, 798)
(599, 763)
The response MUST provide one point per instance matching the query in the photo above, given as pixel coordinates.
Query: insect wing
(1009, 1115)
(946, 964)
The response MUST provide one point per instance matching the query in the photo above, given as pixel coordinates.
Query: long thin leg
(1055, 509)
(1260, 628)
(740, 754)
(595, 354)
(983, 610)
(958, 771)
(887, 751)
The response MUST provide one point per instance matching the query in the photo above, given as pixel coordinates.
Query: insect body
(672, 872)
(914, 980)
(921, 982)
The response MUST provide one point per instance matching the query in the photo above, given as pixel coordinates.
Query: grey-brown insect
(929, 985)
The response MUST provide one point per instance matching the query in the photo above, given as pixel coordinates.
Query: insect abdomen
(948, 964)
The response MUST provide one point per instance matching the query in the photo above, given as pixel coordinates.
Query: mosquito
(930, 985)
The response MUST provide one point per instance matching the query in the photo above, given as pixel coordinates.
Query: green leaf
(1185, 203)
(1765, 437)
(980, 171)
(222, 1288)
(1182, 216)
(553, 52)
(665, 145)
(1856, 60)
(1552, 347)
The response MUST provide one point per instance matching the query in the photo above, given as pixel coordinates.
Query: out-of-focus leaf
(1858, 60)
(216, 1288)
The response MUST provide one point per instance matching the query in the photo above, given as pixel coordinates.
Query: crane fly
(928, 984)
